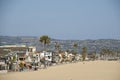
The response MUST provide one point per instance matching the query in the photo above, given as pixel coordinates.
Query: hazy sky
(61, 19)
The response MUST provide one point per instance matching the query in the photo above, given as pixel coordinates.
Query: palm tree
(45, 40)
(75, 46)
(84, 53)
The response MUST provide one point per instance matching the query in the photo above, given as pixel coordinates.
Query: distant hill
(92, 45)
(11, 40)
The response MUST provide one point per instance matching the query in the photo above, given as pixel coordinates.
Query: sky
(61, 19)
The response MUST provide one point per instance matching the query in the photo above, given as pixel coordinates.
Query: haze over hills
(92, 45)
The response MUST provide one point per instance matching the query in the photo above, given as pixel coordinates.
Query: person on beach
(44, 62)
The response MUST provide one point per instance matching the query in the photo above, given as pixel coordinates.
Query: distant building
(23, 52)
(18, 48)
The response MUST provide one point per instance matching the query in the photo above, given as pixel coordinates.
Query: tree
(75, 46)
(57, 46)
(102, 53)
(84, 51)
(45, 40)
(94, 55)
(14, 58)
(106, 53)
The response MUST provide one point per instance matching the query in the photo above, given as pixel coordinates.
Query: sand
(92, 70)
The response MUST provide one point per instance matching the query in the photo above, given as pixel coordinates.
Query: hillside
(92, 45)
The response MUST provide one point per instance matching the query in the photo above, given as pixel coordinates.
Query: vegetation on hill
(91, 45)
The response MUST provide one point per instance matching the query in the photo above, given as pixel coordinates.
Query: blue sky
(61, 19)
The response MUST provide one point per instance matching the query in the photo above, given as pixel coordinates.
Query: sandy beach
(92, 70)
